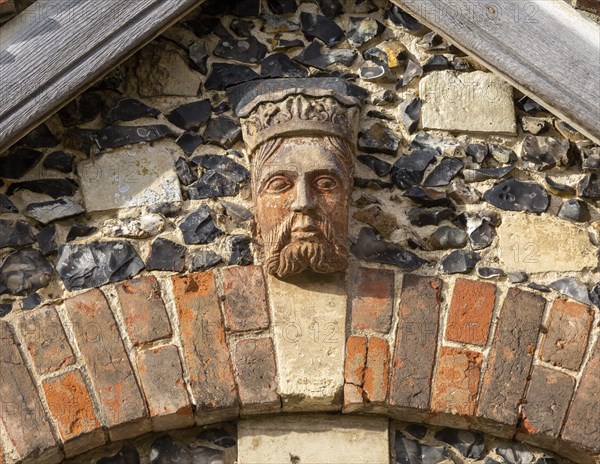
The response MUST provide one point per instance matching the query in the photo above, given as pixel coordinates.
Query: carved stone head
(301, 134)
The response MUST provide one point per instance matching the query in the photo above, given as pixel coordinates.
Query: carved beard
(323, 254)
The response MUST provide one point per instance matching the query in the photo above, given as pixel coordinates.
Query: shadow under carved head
(301, 135)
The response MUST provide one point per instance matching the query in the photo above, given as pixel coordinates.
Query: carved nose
(304, 200)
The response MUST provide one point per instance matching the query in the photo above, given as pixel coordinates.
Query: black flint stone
(489, 272)
(224, 75)
(166, 255)
(407, 451)
(5, 309)
(240, 251)
(245, 8)
(46, 240)
(321, 27)
(80, 230)
(204, 260)
(60, 160)
(87, 265)
(595, 295)
(199, 57)
(469, 444)
(361, 30)
(574, 210)
(18, 162)
(514, 453)
(330, 8)
(185, 174)
(282, 6)
(379, 115)
(283, 44)
(477, 151)
(379, 167)
(129, 109)
(166, 209)
(379, 139)
(40, 137)
(83, 140)
(589, 186)
(428, 217)
(313, 56)
(281, 65)
(373, 184)
(538, 287)
(223, 131)
(409, 170)
(483, 236)
(370, 248)
(224, 165)
(242, 27)
(117, 136)
(204, 25)
(189, 141)
(410, 112)
(447, 237)
(417, 430)
(212, 184)
(127, 455)
(81, 110)
(436, 63)
(7, 206)
(412, 70)
(167, 450)
(56, 188)
(530, 106)
(24, 271)
(573, 288)
(31, 302)
(512, 195)
(403, 20)
(15, 233)
(459, 262)
(199, 227)
(247, 50)
(191, 115)
(478, 175)
(428, 197)
(218, 437)
(444, 172)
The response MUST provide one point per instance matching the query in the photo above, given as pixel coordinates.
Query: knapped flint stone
(203, 25)
(428, 217)
(189, 141)
(221, 108)
(7, 206)
(404, 21)
(436, 63)
(434, 454)
(574, 210)
(363, 29)
(407, 451)
(81, 110)
(199, 227)
(117, 136)
(373, 184)
(281, 65)
(48, 211)
(61, 161)
(198, 57)
(477, 151)
(379, 139)
(374, 73)
(129, 109)
(482, 236)
(512, 195)
(538, 287)
(46, 240)
(224, 75)
(219, 437)
(241, 27)
(31, 301)
(240, 254)
(166, 450)
(447, 146)
(409, 170)
(517, 277)
(275, 24)
(530, 106)
(379, 167)
(168, 209)
(245, 8)
(379, 115)
(191, 115)
(40, 137)
(330, 8)
(87, 265)
(5, 309)
(412, 70)
(417, 430)
(279, 7)
(428, 197)
(594, 295)
(432, 41)
(237, 213)
(127, 455)
(18, 162)
(24, 271)
(446, 238)
(469, 444)
(370, 248)
(545, 152)
(80, 230)
(322, 28)
(223, 131)
(243, 50)
(573, 288)
(410, 112)
(502, 154)
(313, 56)
(459, 262)
(444, 172)
(514, 453)
(212, 184)
(479, 175)
(489, 272)
(55, 188)
(185, 174)
(283, 44)
(15, 234)
(83, 140)
(204, 260)
(224, 165)
(166, 255)
(589, 186)
(590, 158)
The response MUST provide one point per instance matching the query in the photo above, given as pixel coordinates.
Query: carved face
(302, 191)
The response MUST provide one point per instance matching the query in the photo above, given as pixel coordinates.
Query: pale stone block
(534, 244)
(467, 102)
(131, 177)
(309, 320)
(314, 439)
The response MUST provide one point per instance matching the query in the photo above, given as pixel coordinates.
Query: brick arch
(162, 352)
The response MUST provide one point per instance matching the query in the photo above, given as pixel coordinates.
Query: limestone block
(469, 102)
(309, 320)
(535, 244)
(313, 439)
(131, 177)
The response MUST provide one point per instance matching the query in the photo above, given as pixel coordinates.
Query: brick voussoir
(372, 293)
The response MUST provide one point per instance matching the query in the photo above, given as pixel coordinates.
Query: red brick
(471, 312)
(372, 299)
(547, 400)
(377, 370)
(456, 381)
(244, 298)
(107, 364)
(510, 357)
(206, 356)
(354, 371)
(583, 422)
(161, 376)
(567, 336)
(143, 309)
(45, 339)
(257, 374)
(21, 410)
(416, 342)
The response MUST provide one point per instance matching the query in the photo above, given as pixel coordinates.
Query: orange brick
(356, 358)
(377, 370)
(372, 299)
(471, 312)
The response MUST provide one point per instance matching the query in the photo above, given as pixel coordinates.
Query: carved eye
(278, 184)
(326, 183)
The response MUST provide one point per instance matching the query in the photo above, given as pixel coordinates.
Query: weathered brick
(510, 357)
(257, 374)
(471, 312)
(547, 400)
(206, 356)
(583, 422)
(71, 406)
(45, 339)
(456, 381)
(144, 312)
(245, 298)
(21, 410)
(372, 299)
(567, 336)
(107, 364)
(377, 370)
(161, 376)
(416, 341)
(354, 371)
